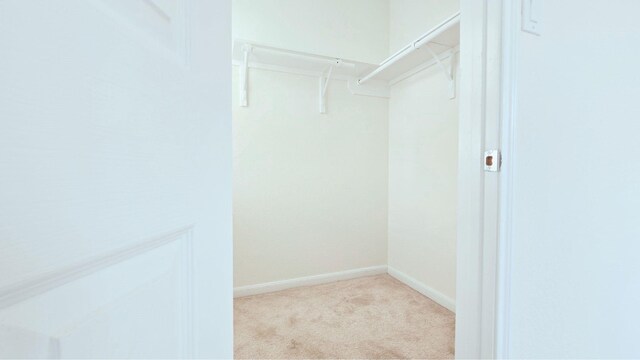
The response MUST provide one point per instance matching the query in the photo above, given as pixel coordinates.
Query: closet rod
(415, 45)
(319, 59)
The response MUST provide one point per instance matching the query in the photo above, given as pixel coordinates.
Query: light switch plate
(531, 16)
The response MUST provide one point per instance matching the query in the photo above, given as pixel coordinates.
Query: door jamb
(484, 201)
(511, 20)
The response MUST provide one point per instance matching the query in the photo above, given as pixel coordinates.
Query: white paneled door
(115, 211)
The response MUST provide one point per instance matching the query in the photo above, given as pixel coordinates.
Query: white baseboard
(425, 290)
(308, 280)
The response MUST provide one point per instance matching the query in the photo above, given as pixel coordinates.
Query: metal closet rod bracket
(447, 71)
(324, 84)
(244, 76)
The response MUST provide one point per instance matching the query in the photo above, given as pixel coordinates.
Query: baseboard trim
(308, 281)
(425, 290)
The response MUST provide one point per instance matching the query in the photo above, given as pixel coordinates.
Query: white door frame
(511, 24)
(486, 66)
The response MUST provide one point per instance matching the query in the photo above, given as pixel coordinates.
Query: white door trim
(511, 21)
(482, 203)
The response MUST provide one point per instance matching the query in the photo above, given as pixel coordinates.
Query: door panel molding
(23, 290)
(159, 24)
(156, 271)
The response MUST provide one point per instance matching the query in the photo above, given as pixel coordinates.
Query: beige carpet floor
(374, 317)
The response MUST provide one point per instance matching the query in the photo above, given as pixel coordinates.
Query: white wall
(353, 29)
(423, 160)
(107, 141)
(310, 189)
(574, 244)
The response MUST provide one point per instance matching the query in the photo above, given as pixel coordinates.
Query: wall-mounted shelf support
(247, 55)
(447, 71)
(361, 78)
(244, 76)
(324, 84)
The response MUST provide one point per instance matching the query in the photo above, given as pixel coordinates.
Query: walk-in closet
(345, 178)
